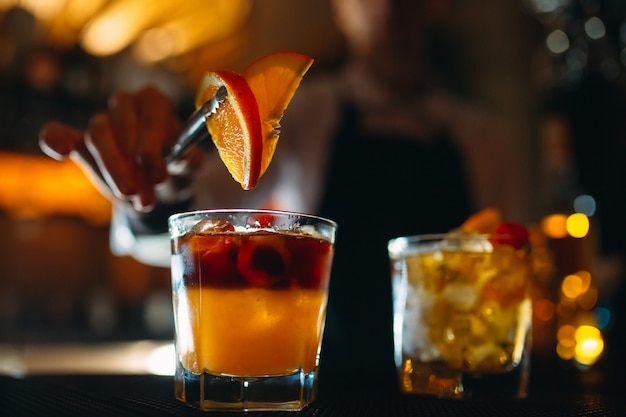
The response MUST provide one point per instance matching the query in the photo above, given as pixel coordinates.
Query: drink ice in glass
(249, 293)
(462, 315)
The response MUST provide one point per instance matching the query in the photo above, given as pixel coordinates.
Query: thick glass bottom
(435, 379)
(208, 392)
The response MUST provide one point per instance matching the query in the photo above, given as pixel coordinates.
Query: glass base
(211, 392)
(427, 379)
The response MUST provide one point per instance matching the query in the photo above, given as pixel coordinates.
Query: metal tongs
(194, 130)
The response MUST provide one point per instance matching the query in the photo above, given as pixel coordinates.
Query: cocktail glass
(250, 290)
(462, 315)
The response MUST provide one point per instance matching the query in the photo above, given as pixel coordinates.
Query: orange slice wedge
(274, 80)
(235, 127)
(483, 221)
(246, 126)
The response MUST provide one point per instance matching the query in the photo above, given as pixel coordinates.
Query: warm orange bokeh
(37, 186)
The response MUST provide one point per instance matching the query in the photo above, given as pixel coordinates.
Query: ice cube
(461, 296)
(466, 241)
(418, 339)
(205, 226)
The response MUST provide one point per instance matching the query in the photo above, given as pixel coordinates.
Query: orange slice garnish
(235, 127)
(274, 80)
(246, 126)
(484, 221)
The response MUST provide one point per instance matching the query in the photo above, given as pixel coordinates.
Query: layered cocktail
(249, 291)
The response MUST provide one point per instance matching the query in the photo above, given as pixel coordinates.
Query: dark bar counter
(552, 393)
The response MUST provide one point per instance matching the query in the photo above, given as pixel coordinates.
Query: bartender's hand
(124, 146)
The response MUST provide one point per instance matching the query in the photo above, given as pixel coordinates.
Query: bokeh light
(106, 27)
(585, 204)
(36, 186)
(603, 317)
(577, 225)
(594, 28)
(572, 286)
(554, 226)
(589, 344)
(566, 344)
(557, 42)
(575, 285)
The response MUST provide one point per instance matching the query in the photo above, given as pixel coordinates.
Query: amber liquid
(466, 319)
(249, 303)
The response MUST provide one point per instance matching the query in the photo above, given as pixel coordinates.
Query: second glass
(250, 290)
(462, 315)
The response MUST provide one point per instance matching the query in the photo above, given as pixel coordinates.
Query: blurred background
(554, 69)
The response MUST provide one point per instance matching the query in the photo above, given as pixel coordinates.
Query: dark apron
(380, 187)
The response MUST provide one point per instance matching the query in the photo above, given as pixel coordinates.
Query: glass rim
(402, 242)
(177, 216)
(428, 237)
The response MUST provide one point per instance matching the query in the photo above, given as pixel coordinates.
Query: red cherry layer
(260, 259)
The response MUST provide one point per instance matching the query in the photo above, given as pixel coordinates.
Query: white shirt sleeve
(151, 250)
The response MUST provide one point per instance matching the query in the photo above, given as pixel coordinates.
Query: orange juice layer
(249, 332)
